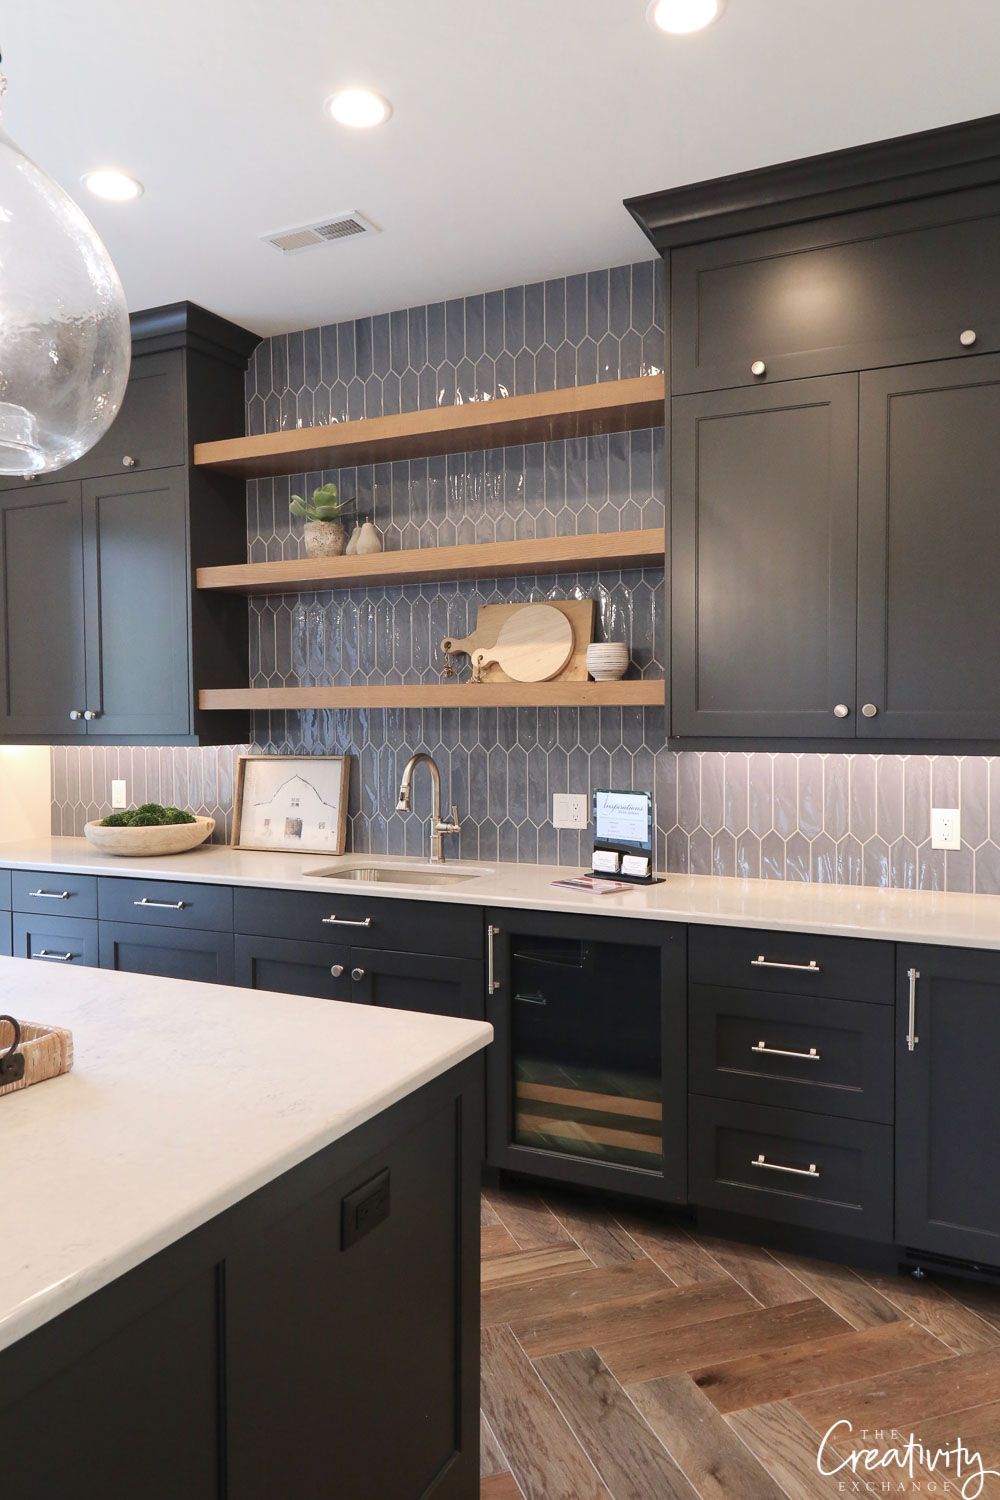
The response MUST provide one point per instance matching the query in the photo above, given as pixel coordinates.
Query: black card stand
(621, 849)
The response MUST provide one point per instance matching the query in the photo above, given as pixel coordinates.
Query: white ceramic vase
(607, 660)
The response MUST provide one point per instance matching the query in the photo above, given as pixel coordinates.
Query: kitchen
(735, 1123)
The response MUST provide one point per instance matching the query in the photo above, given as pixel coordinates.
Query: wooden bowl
(170, 838)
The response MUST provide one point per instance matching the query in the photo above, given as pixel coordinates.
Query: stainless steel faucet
(438, 826)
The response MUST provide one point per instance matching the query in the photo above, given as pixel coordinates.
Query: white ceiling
(519, 127)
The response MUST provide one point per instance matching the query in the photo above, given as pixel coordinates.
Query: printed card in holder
(624, 833)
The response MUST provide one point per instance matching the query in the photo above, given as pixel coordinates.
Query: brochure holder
(624, 834)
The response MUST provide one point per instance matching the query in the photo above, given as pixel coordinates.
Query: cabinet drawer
(792, 963)
(55, 894)
(6, 945)
(5, 889)
(171, 903)
(798, 1052)
(802, 1169)
(172, 954)
(56, 940)
(881, 287)
(362, 921)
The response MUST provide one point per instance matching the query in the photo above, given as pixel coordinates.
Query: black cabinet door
(419, 981)
(137, 583)
(173, 953)
(947, 1102)
(928, 601)
(764, 560)
(42, 663)
(289, 966)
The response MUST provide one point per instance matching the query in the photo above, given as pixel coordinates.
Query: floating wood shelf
(440, 695)
(575, 411)
(566, 554)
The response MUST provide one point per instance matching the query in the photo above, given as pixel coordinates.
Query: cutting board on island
(525, 637)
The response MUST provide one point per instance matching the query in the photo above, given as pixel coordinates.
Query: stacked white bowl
(607, 661)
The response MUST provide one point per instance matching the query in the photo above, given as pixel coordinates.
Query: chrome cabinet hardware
(61, 958)
(166, 905)
(840, 710)
(335, 921)
(775, 1166)
(811, 1056)
(760, 962)
(357, 974)
(91, 713)
(758, 367)
(76, 713)
(967, 338)
(492, 982)
(336, 970)
(51, 895)
(869, 710)
(911, 1036)
(128, 462)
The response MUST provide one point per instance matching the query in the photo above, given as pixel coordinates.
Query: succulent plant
(324, 505)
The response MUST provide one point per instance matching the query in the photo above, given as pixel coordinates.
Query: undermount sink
(401, 874)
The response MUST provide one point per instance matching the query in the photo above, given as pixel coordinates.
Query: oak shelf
(559, 694)
(574, 411)
(566, 554)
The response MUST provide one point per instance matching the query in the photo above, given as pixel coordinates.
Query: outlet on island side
(946, 828)
(569, 810)
(119, 794)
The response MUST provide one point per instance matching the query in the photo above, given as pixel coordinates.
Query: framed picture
(292, 803)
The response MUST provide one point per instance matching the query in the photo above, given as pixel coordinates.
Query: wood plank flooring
(626, 1357)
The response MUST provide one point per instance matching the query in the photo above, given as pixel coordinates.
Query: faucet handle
(454, 826)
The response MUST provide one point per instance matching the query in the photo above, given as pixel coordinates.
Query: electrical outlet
(569, 810)
(946, 828)
(119, 794)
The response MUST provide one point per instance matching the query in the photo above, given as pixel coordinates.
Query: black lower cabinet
(58, 940)
(288, 967)
(948, 1103)
(6, 937)
(173, 953)
(587, 1071)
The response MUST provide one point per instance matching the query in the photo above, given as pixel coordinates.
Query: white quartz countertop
(183, 1099)
(950, 918)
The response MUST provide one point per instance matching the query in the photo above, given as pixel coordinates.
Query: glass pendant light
(65, 346)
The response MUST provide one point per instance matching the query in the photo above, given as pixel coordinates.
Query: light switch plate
(119, 794)
(946, 828)
(569, 810)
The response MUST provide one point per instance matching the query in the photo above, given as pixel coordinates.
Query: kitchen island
(239, 1247)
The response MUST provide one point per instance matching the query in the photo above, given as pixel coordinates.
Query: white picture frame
(296, 804)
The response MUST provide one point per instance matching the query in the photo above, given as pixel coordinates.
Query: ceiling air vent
(326, 231)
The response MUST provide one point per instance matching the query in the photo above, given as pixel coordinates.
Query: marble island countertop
(950, 918)
(166, 1121)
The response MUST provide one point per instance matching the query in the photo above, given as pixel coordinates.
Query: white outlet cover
(119, 794)
(946, 828)
(569, 810)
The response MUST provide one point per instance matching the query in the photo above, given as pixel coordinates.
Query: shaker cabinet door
(764, 559)
(929, 518)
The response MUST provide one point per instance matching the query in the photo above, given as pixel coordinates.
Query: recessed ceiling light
(358, 107)
(682, 16)
(116, 187)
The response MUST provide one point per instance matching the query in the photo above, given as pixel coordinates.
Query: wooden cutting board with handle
(515, 640)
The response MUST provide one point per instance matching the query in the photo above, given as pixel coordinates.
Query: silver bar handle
(51, 895)
(62, 958)
(811, 1056)
(760, 962)
(335, 921)
(911, 1036)
(774, 1166)
(167, 905)
(492, 982)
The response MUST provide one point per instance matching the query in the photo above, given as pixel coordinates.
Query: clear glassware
(65, 346)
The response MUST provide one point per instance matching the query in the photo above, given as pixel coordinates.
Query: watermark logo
(891, 1463)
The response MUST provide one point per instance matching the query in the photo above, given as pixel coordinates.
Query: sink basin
(401, 874)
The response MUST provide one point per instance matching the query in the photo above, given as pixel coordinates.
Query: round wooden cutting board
(533, 646)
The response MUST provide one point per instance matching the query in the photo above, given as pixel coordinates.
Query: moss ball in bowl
(149, 829)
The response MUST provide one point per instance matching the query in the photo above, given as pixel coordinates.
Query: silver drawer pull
(774, 1166)
(51, 895)
(760, 962)
(811, 1056)
(335, 921)
(166, 905)
(62, 958)
(911, 1033)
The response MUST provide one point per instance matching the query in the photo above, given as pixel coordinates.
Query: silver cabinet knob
(336, 970)
(968, 338)
(840, 710)
(91, 713)
(869, 710)
(76, 713)
(758, 367)
(128, 462)
(357, 974)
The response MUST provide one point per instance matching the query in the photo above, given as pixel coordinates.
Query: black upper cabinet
(929, 606)
(763, 560)
(104, 632)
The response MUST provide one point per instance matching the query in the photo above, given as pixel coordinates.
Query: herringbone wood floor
(627, 1358)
